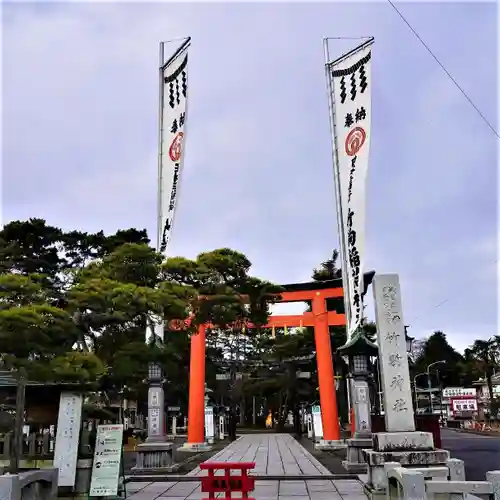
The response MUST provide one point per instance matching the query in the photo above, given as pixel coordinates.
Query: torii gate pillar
(326, 375)
(196, 410)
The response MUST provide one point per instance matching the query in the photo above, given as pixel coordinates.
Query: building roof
(495, 380)
(359, 344)
(8, 379)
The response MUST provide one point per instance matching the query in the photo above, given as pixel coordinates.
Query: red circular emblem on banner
(175, 150)
(354, 141)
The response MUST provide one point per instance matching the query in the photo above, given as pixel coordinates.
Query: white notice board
(317, 422)
(67, 437)
(107, 459)
(209, 422)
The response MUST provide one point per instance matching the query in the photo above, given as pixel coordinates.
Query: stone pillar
(155, 453)
(362, 437)
(400, 443)
(361, 396)
(394, 369)
(156, 413)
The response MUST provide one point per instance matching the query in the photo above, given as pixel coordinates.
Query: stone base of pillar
(156, 439)
(329, 444)
(195, 447)
(377, 479)
(154, 456)
(355, 462)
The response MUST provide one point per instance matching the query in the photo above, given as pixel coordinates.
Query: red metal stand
(228, 482)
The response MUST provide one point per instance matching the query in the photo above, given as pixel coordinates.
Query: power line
(442, 302)
(458, 86)
(441, 65)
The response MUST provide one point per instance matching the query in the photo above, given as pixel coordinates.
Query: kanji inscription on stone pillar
(392, 354)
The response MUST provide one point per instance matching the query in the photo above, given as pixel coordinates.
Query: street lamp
(429, 385)
(409, 340)
(156, 405)
(207, 396)
(154, 372)
(415, 388)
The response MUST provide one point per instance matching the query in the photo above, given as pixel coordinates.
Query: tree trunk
(242, 411)
(283, 414)
(17, 445)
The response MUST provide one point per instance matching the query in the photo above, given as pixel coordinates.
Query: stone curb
(473, 431)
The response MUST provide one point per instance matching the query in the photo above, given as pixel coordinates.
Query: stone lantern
(358, 350)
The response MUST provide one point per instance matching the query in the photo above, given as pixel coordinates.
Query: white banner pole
(161, 93)
(349, 87)
(177, 81)
(338, 195)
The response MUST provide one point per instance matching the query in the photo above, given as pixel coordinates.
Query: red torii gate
(319, 318)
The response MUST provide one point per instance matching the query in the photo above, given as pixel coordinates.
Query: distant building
(460, 402)
(483, 392)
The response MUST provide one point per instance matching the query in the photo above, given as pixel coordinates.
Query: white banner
(350, 82)
(68, 434)
(107, 459)
(175, 81)
(173, 105)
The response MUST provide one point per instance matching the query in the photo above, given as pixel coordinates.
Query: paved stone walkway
(273, 454)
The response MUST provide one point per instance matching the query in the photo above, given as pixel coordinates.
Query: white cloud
(80, 89)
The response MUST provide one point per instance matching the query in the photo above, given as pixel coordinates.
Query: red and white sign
(463, 404)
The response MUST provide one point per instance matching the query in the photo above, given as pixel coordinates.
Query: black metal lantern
(154, 372)
(359, 350)
(409, 340)
(359, 364)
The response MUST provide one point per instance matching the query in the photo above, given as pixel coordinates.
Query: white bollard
(222, 421)
(309, 426)
(174, 425)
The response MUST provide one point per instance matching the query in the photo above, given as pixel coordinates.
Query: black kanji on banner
(343, 93)
(164, 237)
(353, 86)
(177, 84)
(176, 125)
(358, 83)
(355, 262)
(360, 114)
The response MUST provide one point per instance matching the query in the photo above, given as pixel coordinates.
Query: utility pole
(429, 384)
(232, 386)
(254, 416)
(17, 447)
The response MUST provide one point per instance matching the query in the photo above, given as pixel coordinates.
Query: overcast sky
(80, 141)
